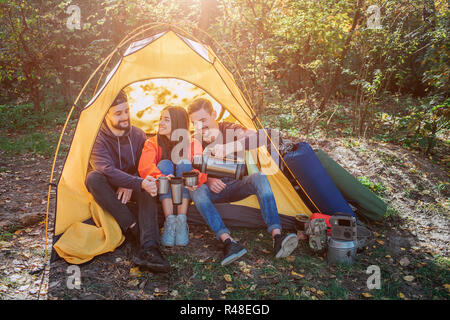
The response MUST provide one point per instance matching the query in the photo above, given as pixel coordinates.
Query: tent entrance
(147, 98)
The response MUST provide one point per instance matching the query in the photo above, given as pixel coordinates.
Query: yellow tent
(164, 55)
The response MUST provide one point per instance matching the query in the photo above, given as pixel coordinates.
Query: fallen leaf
(404, 262)
(447, 286)
(227, 277)
(380, 242)
(290, 259)
(408, 278)
(133, 283)
(135, 272)
(401, 296)
(366, 295)
(259, 261)
(320, 292)
(227, 290)
(265, 251)
(297, 275)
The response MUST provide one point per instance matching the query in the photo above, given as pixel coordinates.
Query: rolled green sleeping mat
(368, 204)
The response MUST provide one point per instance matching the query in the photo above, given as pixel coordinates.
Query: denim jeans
(146, 216)
(167, 167)
(235, 190)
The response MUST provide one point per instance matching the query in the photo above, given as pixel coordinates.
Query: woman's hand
(193, 188)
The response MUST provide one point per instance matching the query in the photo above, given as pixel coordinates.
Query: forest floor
(410, 247)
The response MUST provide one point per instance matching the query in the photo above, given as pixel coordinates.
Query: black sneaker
(151, 259)
(284, 245)
(232, 251)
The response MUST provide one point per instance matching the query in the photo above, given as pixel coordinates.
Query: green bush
(23, 118)
(422, 124)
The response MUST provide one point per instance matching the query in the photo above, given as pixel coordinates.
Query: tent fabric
(167, 55)
(367, 203)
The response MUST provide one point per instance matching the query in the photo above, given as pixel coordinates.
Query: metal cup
(163, 185)
(190, 178)
(176, 184)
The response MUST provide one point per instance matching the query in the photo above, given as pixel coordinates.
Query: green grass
(23, 118)
(335, 290)
(6, 236)
(24, 131)
(8, 233)
(378, 188)
(41, 143)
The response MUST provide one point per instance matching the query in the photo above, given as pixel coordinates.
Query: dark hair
(121, 98)
(179, 120)
(200, 103)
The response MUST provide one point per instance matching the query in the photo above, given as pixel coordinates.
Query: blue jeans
(167, 167)
(256, 184)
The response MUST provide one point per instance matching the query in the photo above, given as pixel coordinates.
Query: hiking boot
(284, 245)
(151, 259)
(317, 232)
(181, 231)
(168, 235)
(232, 251)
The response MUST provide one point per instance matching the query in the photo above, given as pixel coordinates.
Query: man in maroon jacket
(113, 181)
(214, 137)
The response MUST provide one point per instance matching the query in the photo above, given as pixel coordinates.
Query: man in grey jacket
(114, 180)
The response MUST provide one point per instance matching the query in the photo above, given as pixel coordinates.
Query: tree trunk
(209, 12)
(35, 96)
(335, 77)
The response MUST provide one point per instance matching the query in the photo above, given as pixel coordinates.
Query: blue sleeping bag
(315, 180)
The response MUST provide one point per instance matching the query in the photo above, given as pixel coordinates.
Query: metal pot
(341, 251)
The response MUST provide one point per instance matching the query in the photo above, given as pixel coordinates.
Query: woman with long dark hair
(169, 153)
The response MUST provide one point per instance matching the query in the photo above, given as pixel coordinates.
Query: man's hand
(149, 185)
(124, 194)
(215, 185)
(218, 151)
(222, 150)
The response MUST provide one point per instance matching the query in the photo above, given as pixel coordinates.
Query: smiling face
(165, 124)
(204, 122)
(118, 117)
